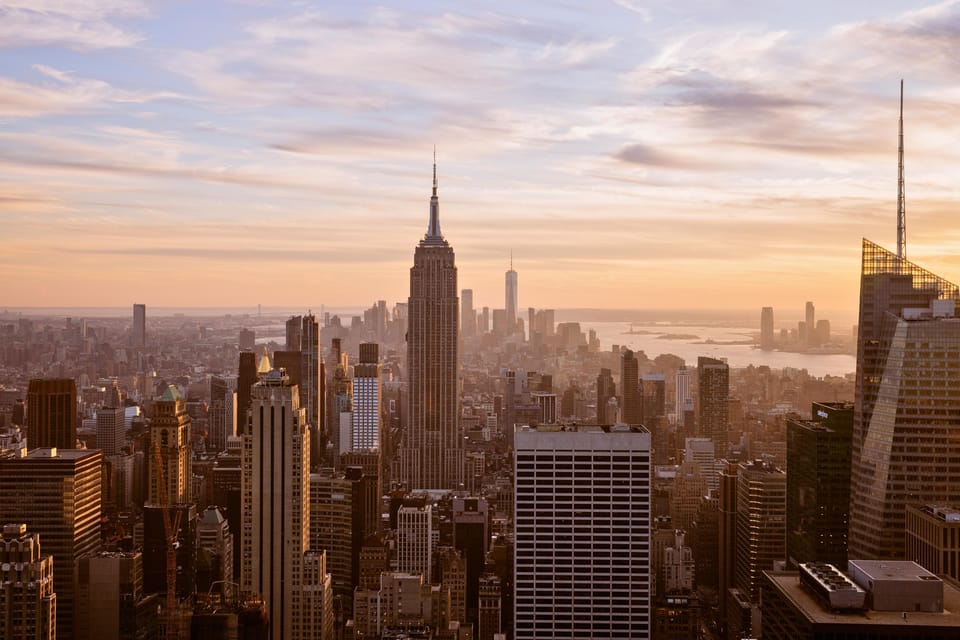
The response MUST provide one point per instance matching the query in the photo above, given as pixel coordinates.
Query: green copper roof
(170, 394)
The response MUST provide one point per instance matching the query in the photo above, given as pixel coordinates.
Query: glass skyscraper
(906, 427)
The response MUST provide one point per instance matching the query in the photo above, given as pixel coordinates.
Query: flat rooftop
(894, 570)
(805, 601)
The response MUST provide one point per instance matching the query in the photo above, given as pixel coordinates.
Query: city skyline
(207, 151)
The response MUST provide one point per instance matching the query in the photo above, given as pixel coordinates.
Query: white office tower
(365, 432)
(683, 394)
(111, 430)
(415, 540)
(275, 485)
(582, 513)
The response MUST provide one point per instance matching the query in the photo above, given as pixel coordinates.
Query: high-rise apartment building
(52, 413)
(653, 397)
(582, 513)
(631, 402)
(57, 494)
(818, 484)
(367, 393)
(28, 603)
(332, 517)
(275, 484)
(606, 389)
(906, 404)
(138, 334)
(468, 315)
(761, 521)
(432, 454)
(170, 435)
(510, 295)
(766, 329)
(713, 379)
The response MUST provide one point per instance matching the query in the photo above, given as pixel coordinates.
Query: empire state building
(432, 454)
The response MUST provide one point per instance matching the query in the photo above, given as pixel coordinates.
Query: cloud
(636, 7)
(72, 24)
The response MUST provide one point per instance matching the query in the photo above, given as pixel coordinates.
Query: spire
(511, 259)
(264, 367)
(901, 198)
(434, 236)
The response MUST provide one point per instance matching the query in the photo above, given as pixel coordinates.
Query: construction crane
(171, 526)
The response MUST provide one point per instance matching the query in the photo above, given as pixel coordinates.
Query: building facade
(28, 602)
(905, 448)
(432, 453)
(170, 436)
(713, 410)
(51, 415)
(582, 513)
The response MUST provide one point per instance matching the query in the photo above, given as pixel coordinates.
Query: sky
(631, 154)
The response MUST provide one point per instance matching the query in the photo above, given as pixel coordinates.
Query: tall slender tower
(901, 195)
(170, 433)
(510, 290)
(139, 331)
(276, 558)
(52, 413)
(432, 456)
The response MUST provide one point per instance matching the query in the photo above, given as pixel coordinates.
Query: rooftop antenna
(901, 198)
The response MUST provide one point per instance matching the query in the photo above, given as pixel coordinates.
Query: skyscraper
(468, 315)
(139, 331)
(766, 329)
(510, 291)
(276, 559)
(582, 513)
(811, 324)
(713, 409)
(606, 389)
(432, 454)
(818, 484)
(905, 443)
(683, 393)
(761, 515)
(28, 604)
(170, 434)
(415, 539)
(52, 413)
(111, 430)
(56, 493)
(246, 378)
(365, 432)
(303, 336)
(631, 402)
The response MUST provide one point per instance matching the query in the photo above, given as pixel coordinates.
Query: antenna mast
(901, 198)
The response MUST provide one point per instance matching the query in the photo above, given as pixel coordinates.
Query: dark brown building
(52, 413)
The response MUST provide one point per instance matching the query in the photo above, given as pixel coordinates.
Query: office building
(682, 394)
(432, 455)
(933, 538)
(631, 402)
(57, 494)
(138, 334)
(606, 389)
(112, 601)
(810, 323)
(818, 484)
(275, 559)
(766, 329)
(582, 513)
(906, 405)
(888, 600)
(490, 607)
(332, 517)
(367, 393)
(510, 297)
(52, 413)
(713, 408)
(247, 340)
(215, 550)
(246, 378)
(653, 397)
(726, 539)
(111, 430)
(415, 540)
(170, 435)
(303, 337)
(700, 451)
(761, 521)
(468, 315)
(28, 602)
(155, 548)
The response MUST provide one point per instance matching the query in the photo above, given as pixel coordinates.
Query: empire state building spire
(434, 236)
